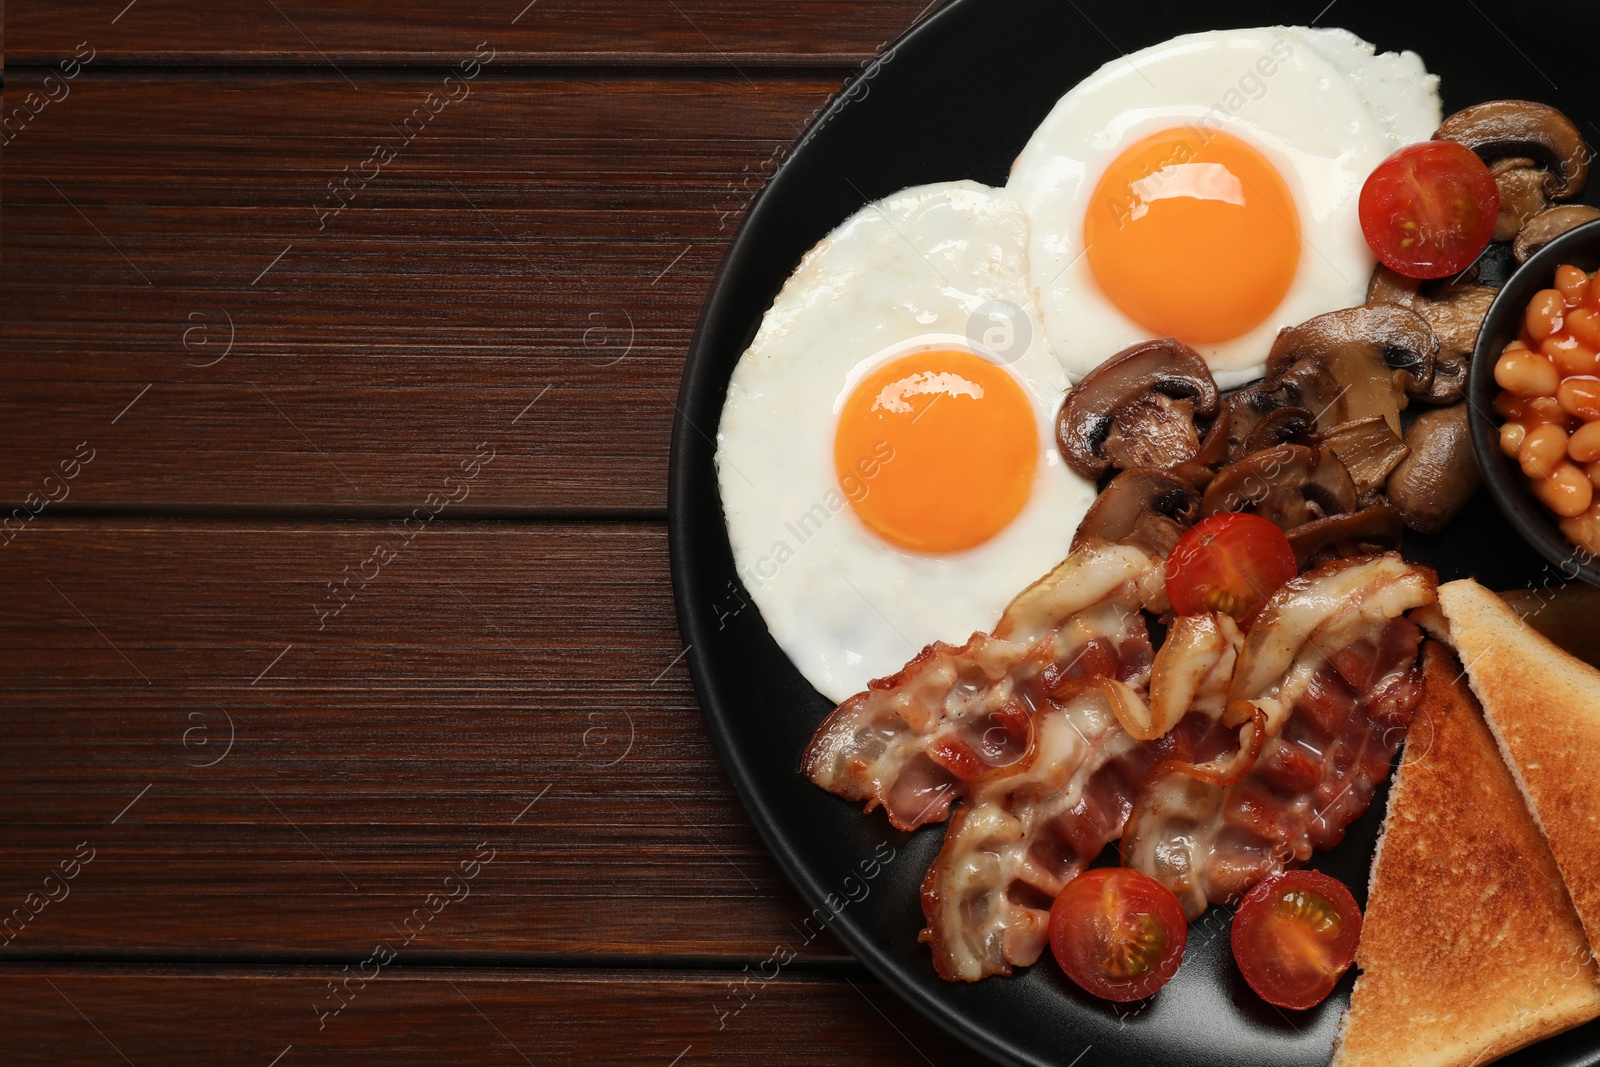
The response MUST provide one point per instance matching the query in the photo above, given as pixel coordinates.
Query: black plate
(958, 98)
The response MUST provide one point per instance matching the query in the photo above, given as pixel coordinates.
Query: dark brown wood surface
(254, 720)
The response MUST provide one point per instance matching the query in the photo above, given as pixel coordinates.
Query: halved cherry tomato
(1118, 933)
(1429, 210)
(1229, 563)
(1294, 935)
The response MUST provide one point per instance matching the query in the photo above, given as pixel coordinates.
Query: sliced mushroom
(1391, 287)
(1370, 530)
(1548, 225)
(1145, 507)
(1289, 485)
(1500, 129)
(1117, 397)
(1453, 312)
(1377, 353)
(1285, 426)
(1434, 482)
(1154, 431)
(1368, 449)
(1522, 184)
(1309, 384)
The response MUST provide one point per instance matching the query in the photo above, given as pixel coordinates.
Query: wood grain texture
(543, 232)
(424, 1016)
(688, 32)
(514, 685)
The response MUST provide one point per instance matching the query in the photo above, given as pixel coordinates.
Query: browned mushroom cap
(1374, 529)
(1124, 387)
(1436, 480)
(1548, 225)
(1377, 353)
(1289, 485)
(1369, 450)
(1521, 182)
(1285, 426)
(1501, 128)
(1453, 312)
(1391, 287)
(1145, 507)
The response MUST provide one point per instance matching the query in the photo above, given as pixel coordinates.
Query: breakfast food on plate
(1470, 948)
(1330, 665)
(1205, 189)
(1294, 935)
(1544, 709)
(887, 482)
(1253, 252)
(1551, 402)
(1118, 933)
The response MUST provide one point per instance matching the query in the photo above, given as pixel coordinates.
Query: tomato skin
(1294, 935)
(1232, 563)
(1429, 210)
(1118, 933)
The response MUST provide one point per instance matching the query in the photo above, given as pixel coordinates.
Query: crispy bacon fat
(914, 741)
(1218, 760)
(1330, 669)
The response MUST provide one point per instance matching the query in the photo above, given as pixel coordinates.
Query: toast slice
(1471, 948)
(1544, 709)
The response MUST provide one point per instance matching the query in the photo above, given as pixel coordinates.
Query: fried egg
(886, 451)
(1206, 189)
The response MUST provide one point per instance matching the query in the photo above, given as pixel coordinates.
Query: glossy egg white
(932, 266)
(1319, 104)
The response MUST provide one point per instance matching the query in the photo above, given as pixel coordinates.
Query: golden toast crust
(1544, 708)
(1471, 948)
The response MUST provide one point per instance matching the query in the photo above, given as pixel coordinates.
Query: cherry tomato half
(1118, 933)
(1294, 935)
(1229, 563)
(1429, 210)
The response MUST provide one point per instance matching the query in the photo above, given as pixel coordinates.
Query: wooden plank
(409, 1015)
(697, 32)
(544, 232)
(512, 690)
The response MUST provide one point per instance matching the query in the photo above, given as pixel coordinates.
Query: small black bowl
(1537, 525)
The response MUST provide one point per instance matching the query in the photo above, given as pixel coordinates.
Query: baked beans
(1550, 404)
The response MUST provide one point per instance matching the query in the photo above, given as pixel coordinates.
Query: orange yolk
(1194, 235)
(936, 451)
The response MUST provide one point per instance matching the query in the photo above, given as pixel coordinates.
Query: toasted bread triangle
(1543, 706)
(1471, 948)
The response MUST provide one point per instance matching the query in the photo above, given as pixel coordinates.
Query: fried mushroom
(1453, 312)
(1548, 225)
(1289, 485)
(1522, 129)
(1435, 481)
(1145, 507)
(1130, 410)
(1359, 533)
(1378, 354)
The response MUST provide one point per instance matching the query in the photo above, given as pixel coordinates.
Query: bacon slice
(1026, 830)
(912, 742)
(1329, 674)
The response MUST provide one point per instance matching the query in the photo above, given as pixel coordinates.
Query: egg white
(909, 271)
(1318, 104)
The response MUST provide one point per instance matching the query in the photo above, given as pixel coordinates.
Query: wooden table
(345, 709)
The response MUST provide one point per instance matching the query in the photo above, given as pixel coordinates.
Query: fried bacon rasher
(1224, 756)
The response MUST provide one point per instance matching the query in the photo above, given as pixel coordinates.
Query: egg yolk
(1194, 235)
(936, 451)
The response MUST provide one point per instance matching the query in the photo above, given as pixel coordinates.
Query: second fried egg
(886, 454)
(1206, 189)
